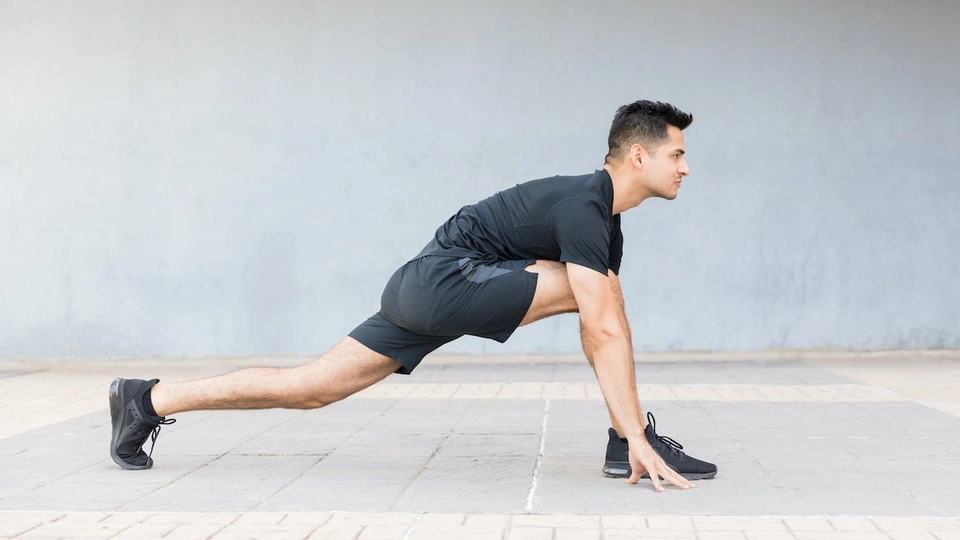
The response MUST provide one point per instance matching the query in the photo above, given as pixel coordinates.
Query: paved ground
(808, 446)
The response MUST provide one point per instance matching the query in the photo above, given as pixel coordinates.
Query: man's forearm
(613, 363)
(588, 349)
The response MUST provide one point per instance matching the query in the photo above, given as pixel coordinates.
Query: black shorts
(433, 300)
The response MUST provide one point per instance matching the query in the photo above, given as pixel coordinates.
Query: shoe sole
(618, 471)
(117, 415)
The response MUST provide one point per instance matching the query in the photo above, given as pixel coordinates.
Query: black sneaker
(618, 464)
(131, 424)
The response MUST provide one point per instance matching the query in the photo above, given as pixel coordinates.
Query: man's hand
(643, 459)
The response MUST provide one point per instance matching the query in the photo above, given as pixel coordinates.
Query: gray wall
(235, 178)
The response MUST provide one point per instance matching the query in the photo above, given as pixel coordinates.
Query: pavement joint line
(875, 391)
(539, 462)
(413, 527)
(436, 451)
(345, 441)
(174, 480)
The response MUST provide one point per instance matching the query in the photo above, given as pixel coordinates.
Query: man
(538, 249)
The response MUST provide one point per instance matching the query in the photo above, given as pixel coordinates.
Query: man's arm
(607, 339)
(622, 314)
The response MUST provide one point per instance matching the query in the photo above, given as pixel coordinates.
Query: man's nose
(684, 168)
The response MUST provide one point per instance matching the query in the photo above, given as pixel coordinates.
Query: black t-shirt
(562, 218)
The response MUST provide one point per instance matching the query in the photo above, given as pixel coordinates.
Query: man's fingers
(636, 471)
(649, 462)
(655, 478)
(676, 478)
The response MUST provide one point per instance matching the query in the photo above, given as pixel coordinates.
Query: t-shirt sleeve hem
(586, 264)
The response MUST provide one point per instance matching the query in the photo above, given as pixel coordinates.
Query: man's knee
(307, 391)
(345, 370)
(307, 400)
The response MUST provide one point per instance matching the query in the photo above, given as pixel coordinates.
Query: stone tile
(368, 518)
(769, 535)
(444, 520)
(659, 534)
(433, 533)
(847, 523)
(450, 495)
(259, 518)
(910, 535)
(623, 521)
(721, 535)
(738, 524)
(673, 523)
(913, 523)
(557, 520)
(486, 521)
(71, 496)
(576, 534)
(193, 518)
(193, 531)
(530, 533)
(257, 531)
(474, 453)
(302, 496)
(808, 524)
(311, 518)
(840, 535)
(225, 495)
(486, 468)
(345, 532)
(145, 530)
(383, 532)
(12, 527)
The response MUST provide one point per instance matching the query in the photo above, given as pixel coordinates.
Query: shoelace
(674, 446)
(156, 432)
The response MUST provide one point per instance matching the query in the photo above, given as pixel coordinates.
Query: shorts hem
(529, 293)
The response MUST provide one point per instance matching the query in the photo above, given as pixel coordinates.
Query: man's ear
(637, 151)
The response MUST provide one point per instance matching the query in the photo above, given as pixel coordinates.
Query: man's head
(646, 137)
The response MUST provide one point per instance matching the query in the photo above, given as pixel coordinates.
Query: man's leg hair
(553, 295)
(345, 370)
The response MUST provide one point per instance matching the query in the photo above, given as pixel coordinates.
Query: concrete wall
(236, 177)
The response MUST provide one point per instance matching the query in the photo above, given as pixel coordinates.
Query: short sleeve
(582, 232)
(616, 246)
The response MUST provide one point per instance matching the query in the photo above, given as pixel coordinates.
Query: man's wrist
(637, 440)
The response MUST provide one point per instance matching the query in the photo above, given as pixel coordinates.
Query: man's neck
(627, 190)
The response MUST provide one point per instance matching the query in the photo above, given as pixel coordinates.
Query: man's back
(561, 218)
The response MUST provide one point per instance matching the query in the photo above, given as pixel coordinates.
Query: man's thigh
(553, 295)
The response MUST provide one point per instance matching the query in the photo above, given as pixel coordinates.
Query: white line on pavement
(536, 468)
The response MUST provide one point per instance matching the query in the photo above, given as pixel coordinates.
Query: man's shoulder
(581, 179)
(563, 187)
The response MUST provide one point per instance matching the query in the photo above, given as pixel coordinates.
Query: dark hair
(645, 123)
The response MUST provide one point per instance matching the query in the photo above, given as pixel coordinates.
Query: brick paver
(850, 447)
